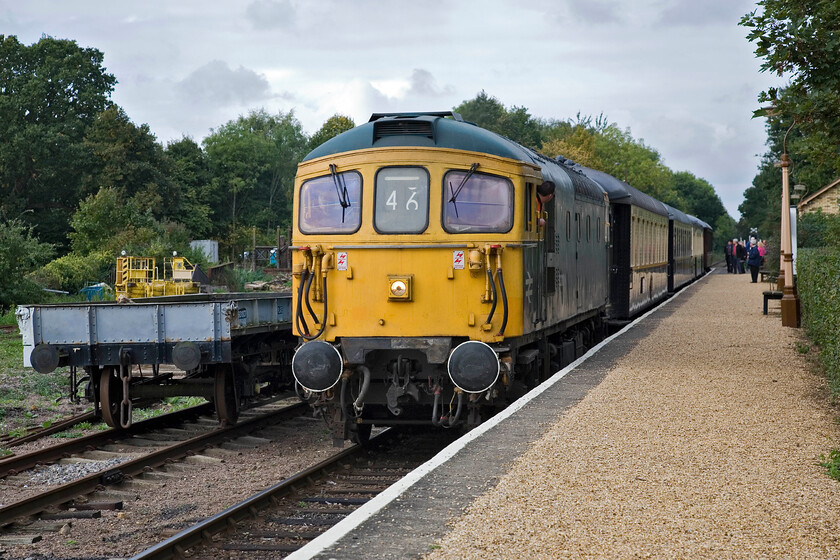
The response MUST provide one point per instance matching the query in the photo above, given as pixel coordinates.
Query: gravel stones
(64, 473)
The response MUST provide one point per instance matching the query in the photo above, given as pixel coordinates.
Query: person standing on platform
(754, 262)
(740, 257)
(727, 251)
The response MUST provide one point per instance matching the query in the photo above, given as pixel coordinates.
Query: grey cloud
(705, 12)
(424, 84)
(270, 14)
(217, 84)
(595, 11)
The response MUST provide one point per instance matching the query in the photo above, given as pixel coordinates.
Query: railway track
(34, 433)
(282, 518)
(151, 445)
(15, 464)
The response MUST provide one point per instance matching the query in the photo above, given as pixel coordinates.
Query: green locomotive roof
(421, 129)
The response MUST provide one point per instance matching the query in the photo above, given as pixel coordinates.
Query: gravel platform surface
(703, 441)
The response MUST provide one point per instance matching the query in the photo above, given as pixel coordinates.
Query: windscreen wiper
(341, 190)
(457, 191)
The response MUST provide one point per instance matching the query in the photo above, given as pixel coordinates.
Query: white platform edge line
(352, 521)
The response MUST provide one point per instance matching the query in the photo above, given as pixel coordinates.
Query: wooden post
(254, 249)
(277, 248)
(790, 299)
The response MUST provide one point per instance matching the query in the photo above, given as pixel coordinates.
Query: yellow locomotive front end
(373, 237)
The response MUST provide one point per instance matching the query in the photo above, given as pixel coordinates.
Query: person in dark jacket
(740, 257)
(754, 262)
(728, 251)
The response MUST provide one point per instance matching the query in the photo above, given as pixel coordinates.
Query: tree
(484, 110)
(516, 124)
(253, 161)
(107, 221)
(20, 254)
(801, 40)
(128, 158)
(333, 126)
(189, 172)
(50, 92)
(762, 201)
(699, 197)
(106, 224)
(579, 146)
(641, 166)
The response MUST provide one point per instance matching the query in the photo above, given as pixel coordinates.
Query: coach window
(588, 230)
(401, 200)
(476, 203)
(528, 207)
(331, 204)
(568, 226)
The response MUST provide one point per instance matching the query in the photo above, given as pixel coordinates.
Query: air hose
(324, 322)
(309, 279)
(504, 301)
(436, 408)
(492, 296)
(299, 319)
(453, 420)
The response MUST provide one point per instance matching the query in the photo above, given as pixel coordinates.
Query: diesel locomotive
(433, 286)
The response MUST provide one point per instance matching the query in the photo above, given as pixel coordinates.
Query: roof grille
(402, 127)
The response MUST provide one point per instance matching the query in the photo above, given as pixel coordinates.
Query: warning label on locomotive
(458, 260)
(341, 261)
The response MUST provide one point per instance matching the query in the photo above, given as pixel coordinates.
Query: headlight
(473, 366)
(317, 366)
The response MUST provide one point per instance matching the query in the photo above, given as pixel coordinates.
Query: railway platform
(695, 433)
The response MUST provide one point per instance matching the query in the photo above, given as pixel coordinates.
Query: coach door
(579, 269)
(541, 268)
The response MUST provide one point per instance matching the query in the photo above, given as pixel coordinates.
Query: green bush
(72, 272)
(818, 283)
(20, 253)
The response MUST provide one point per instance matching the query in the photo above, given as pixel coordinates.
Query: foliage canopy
(50, 93)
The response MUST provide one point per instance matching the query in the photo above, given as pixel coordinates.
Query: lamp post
(790, 299)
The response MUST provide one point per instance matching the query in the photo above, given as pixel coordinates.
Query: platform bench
(768, 275)
(771, 294)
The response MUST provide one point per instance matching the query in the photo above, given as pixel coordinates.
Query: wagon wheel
(225, 397)
(110, 396)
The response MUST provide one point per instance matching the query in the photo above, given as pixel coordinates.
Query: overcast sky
(678, 73)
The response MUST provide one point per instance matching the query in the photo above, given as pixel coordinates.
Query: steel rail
(18, 463)
(137, 466)
(35, 433)
(177, 545)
